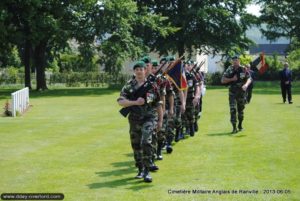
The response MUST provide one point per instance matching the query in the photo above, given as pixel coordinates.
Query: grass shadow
(112, 184)
(134, 184)
(129, 169)
(129, 155)
(239, 135)
(219, 134)
(122, 164)
(116, 172)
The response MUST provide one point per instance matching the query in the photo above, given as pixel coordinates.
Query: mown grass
(74, 141)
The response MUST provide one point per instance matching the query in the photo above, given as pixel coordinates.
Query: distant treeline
(102, 79)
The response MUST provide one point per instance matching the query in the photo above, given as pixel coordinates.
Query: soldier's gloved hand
(140, 101)
(244, 87)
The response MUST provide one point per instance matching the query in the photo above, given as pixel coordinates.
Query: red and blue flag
(176, 74)
(260, 64)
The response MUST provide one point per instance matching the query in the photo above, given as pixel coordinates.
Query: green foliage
(213, 78)
(245, 59)
(294, 59)
(211, 26)
(9, 75)
(122, 39)
(281, 18)
(10, 57)
(88, 79)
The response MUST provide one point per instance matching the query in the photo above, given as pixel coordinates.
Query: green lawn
(74, 141)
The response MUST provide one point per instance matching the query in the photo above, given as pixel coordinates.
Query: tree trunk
(27, 50)
(40, 61)
(181, 11)
(180, 49)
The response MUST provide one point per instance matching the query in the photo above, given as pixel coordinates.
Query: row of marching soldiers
(168, 110)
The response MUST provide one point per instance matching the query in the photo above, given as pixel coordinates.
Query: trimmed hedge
(73, 79)
(94, 79)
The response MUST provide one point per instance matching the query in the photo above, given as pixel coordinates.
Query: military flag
(260, 64)
(176, 74)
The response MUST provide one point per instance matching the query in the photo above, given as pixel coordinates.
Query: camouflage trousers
(198, 110)
(237, 105)
(169, 129)
(161, 135)
(177, 117)
(188, 117)
(141, 133)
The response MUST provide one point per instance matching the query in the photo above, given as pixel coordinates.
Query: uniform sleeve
(125, 92)
(227, 73)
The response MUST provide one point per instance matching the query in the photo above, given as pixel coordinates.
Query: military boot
(153, 167)
(234, 130)
(187, 130)
(147, 176)
(177, 137)
(159, 147)
(240, 127)
(169, 149)
(181, 135)
(196, 126)
(192, 130)
(140, 173)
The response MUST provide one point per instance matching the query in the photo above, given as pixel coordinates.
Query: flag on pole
(176, 74)
(260, 64)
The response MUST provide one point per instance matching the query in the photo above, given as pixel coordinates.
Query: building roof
(269, 49)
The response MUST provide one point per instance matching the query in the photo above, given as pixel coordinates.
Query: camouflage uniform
(236, 93)
(159, 137)
(142, 123)
(168, 122)
(177, 120)
(198, 107)
(188, 118)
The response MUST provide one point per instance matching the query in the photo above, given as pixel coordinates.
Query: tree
(40, 28)
(115, 27)
(282, 19)
(211, 26)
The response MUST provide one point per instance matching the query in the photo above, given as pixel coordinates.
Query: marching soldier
(238, 79)
(192, 99)
(168, 121)
(149, 70)
(142, 121)
(179, 108)
(198, 107)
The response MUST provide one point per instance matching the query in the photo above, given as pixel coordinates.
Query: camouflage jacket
(242, 77)
(161, 82)
(192, 83)
(152, 99)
